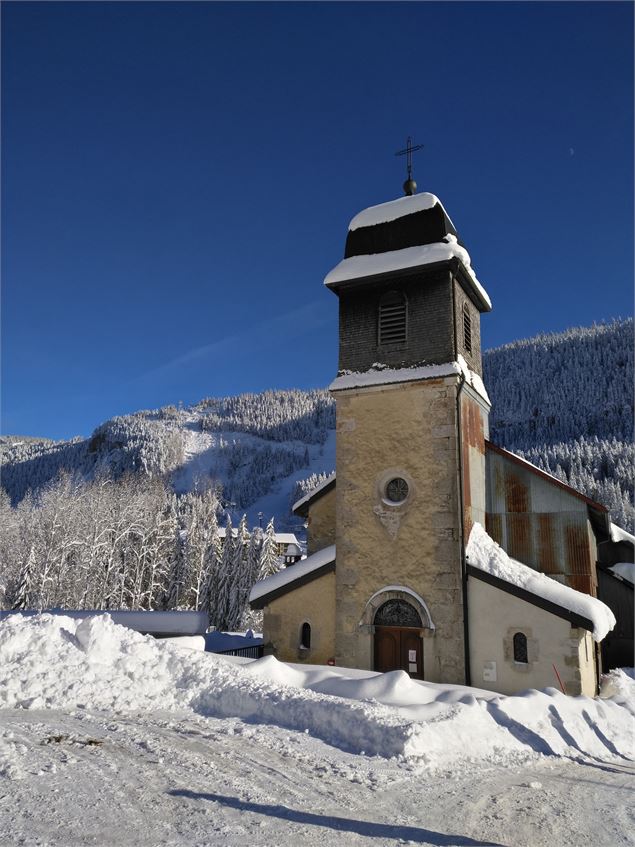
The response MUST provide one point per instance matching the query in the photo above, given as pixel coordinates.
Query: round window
(397, 490)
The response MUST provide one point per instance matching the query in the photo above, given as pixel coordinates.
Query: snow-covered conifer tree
(269, 558)
(225, 577)
(240, 583)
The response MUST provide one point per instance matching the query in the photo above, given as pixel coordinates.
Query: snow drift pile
(56, 662)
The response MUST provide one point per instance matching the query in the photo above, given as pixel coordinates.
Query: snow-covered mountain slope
(255, 447)
(563, 400)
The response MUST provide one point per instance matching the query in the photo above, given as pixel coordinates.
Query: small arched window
(305, 636)
(467, 328)
(520, 648)
(393, 318)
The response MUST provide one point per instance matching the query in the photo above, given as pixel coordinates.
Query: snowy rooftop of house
(280, 537)
(302, 572)
(303, 502)
(484, 554)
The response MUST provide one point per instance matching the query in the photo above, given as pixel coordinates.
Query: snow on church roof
(358, 267)
(303, 571)
(624, 569)
(393, 209)
(619, 534)
(303, 501)
(484, 553)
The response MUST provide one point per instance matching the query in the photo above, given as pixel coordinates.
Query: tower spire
(409, 186)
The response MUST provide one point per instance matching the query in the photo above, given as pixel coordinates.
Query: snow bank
(619, 686)
(484, 553)
(61, 663)
(171, 623)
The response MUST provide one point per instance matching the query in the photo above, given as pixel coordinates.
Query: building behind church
(431, 550)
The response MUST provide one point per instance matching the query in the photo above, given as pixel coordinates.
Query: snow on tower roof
(302, 572)
(484, 554)
(393, 209)
(373, 264)
(382, 375)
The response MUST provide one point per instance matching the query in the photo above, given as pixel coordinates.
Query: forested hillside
(241, 445)
(565, 401)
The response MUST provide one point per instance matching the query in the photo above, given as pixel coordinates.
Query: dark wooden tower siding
(428, 325)
(414, 316)
(428, 226)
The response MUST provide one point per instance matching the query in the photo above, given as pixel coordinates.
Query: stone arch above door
(395, 592)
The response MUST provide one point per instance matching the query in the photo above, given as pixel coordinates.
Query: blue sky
(177, 179)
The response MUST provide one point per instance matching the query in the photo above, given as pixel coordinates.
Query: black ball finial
(410, 187)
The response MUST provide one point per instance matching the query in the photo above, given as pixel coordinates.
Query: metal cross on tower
(409, 186)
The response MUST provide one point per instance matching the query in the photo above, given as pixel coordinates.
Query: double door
(398, 648)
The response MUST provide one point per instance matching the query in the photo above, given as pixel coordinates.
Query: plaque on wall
(489, 671)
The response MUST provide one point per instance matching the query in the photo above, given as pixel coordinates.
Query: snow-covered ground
(110, 737)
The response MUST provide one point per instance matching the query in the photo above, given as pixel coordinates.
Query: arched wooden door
(398, 643)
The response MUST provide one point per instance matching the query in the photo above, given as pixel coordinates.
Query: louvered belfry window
(467, 328)
(393, 318)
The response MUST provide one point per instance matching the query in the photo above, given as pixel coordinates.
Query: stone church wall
(407, 430)
(494, 617)
(321, 523)
(313, 603)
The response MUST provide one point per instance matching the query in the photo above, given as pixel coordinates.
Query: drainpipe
(466, 630)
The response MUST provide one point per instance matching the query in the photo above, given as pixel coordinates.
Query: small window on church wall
(305, 636)
(467, 328)
(397, 490)
(520, 648)
(393, 318)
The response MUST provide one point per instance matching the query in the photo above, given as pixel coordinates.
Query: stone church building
(415, 545)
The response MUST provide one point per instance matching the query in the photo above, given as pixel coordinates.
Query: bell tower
(411, 427)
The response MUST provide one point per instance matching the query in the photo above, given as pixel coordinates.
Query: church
(432, 550)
